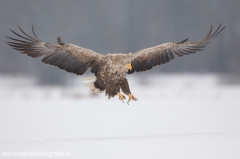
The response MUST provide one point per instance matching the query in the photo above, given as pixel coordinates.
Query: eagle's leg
(126, 90)
(99, 84)
(131, 97)
(121, 97)
(113, 89)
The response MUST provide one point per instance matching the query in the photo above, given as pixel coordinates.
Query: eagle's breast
(116, 71)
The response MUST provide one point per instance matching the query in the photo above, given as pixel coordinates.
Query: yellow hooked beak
(129, 66)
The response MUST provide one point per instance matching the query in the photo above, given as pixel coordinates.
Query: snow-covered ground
(176, 117)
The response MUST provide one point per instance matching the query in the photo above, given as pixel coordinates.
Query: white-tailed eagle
(110, 70)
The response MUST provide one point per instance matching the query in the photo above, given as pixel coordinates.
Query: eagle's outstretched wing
(68, 57)
(148, 58)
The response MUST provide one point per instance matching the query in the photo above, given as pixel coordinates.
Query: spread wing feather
(68, 57)
(148, 58)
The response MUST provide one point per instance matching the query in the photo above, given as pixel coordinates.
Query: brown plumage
(110, 70)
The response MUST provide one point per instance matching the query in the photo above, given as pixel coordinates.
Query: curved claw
(131, 97)
(121, 97)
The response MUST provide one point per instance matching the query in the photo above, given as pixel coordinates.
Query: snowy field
(175, 117)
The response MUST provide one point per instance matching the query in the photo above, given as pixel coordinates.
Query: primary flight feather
(110, 70)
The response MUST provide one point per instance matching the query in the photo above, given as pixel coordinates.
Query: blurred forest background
(113, 26)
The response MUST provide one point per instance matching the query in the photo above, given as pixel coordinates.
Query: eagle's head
(121, 59)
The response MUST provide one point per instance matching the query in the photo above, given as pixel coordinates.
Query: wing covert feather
(148, 58)
(68, 57)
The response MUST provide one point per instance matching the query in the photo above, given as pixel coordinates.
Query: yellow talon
(121, 97)
(131, 97)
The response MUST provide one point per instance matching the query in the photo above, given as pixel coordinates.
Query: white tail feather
(90, 83)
